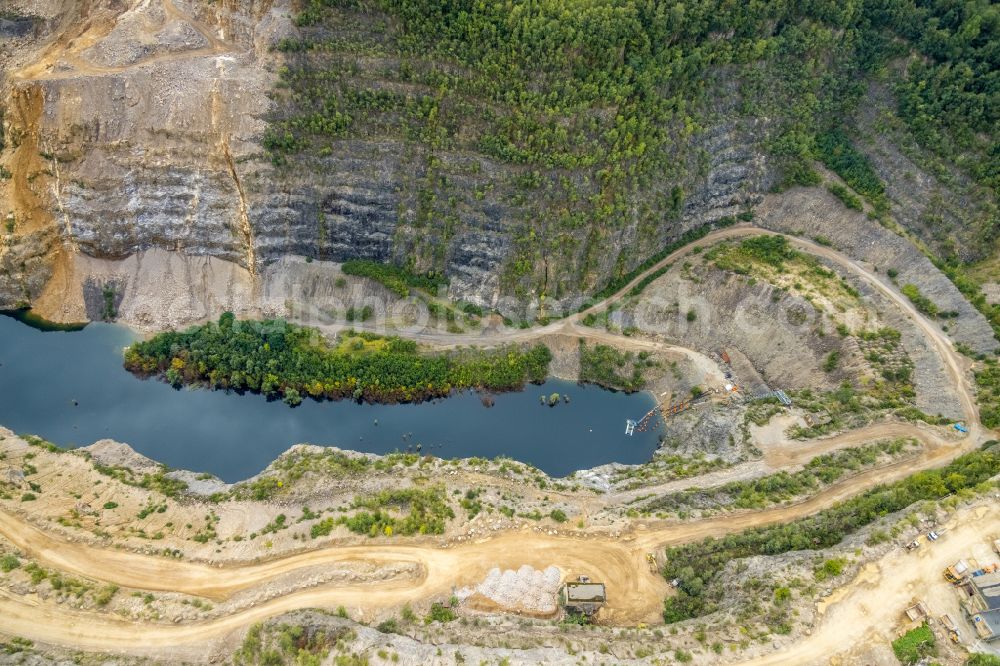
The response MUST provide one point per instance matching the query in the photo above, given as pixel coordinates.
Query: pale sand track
(869, 609)
(636, 593)
(864, 610)
(67, 47)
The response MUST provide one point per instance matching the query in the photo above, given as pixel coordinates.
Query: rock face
(949, 212)
(155, 289)
(779, 332)
(737, 173)
(815, 213)
(134, 126)
(129, 128)
(707, 428)
(137, 126)
(347, 211)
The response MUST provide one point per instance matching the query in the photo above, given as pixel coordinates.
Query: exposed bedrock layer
(137, 126)
(778, 338)
(144, 128)
(818, 214)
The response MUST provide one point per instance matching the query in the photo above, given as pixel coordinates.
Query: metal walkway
(665, 410)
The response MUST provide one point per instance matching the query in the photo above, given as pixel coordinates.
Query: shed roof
(986, 580)
(585, 592)
(987, 624)
(988, 587)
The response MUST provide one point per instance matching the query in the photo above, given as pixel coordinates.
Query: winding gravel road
(619, 561)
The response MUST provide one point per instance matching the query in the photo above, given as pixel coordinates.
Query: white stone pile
(527, 589)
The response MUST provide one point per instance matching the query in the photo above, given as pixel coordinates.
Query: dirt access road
(619, 561)
(869, 610)
(864, 612)
(64, 56)
(954, 363)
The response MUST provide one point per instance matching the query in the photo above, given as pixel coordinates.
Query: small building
(983, 605)
(583, 597)
(985, 593)
(987, 625)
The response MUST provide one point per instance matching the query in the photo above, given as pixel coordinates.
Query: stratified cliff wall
(138, 125)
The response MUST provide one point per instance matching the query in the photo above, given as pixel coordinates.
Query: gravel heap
(527, 589)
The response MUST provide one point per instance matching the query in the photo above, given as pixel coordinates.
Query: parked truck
(950, 626)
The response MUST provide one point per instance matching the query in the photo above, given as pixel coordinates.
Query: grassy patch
(105, 595)
(830, 568)
(773, 251)
(400, 512)
(835, 150)
(439, 613)
(396, 279)
(612, 368)
(922, 303)
(158, 481)
(760, 411)
(276, 643)
(8, 563)
(326, 464)
(988, 393)
(914, 645)
(846, 196)
(772, 258)
(666, 468)
(983, 660)
(782, 486)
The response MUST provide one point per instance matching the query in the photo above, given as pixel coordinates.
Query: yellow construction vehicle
(957, 572)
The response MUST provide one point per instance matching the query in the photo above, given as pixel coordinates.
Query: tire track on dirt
(637, 592)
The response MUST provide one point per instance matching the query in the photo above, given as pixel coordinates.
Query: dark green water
(70, 388)
(26, 316)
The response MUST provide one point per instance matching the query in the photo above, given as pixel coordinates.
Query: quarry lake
(70, 388)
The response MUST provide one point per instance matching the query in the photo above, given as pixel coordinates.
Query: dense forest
(293, 362)
(594, 107)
